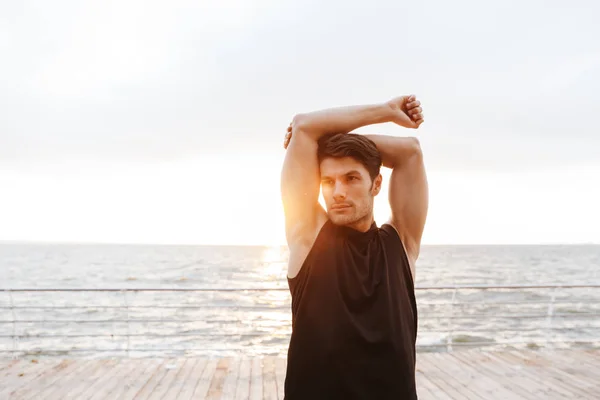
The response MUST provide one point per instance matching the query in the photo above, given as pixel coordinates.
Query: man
(354, 315)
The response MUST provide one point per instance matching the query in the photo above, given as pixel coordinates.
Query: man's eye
(352, 178)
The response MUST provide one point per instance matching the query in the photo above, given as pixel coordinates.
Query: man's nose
(339, 191)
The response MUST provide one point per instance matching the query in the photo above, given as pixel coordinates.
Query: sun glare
(274, 262)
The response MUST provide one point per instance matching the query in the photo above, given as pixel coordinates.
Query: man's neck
(363, 224)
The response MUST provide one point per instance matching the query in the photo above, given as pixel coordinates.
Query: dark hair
(359, 147)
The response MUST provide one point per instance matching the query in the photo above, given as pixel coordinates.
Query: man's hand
(288, 136)
(407, 111)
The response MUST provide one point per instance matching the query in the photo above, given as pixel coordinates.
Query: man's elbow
(409, 150)
(305, 124)
(301, 122)
(414, 147)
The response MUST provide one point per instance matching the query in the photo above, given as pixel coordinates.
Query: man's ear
(377, 185)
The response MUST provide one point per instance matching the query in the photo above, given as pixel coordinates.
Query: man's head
(350, 177)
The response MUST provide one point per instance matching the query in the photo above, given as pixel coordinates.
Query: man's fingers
(419, 122)
(414, 111)
(287, 138)
(413, 104)
(416, 116)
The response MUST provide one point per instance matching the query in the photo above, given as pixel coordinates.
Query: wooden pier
(556, 374)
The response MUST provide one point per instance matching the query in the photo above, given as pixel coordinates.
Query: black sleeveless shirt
(354, 318)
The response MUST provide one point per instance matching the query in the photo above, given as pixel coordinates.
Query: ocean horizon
(253, 315)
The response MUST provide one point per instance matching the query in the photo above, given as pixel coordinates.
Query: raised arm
(408, 191)
(300, 180)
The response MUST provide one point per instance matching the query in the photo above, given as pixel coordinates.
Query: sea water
(257, 321)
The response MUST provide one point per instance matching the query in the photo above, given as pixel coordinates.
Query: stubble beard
(359, 214)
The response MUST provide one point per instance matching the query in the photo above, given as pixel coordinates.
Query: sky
(163, 122)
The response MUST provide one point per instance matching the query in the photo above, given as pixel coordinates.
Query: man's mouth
(339, 206)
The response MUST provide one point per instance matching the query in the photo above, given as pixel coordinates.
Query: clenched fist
(407, 111)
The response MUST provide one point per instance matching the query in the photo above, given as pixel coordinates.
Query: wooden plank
(104, 380)
(556, 374)
(579, 365)
(122, 374)
(243, 386)
(464, 379)
(539, 363)
(511, 376)
(231, 380)
(182, 379)
(469, 376)
(580, 356)
(177, 382)
(592, 358)
(438, 386)
(141, 373)
(269, 382)
(205, 379)
(585, 377)
(35, 391)
(216, 385)
(20, 374)
(153, 380)
(452, 379)
(65, 380)
(517, 377)
(593, 353)
(423, 392)
(36, 376)
(280, 371)
(50, 376)
(88, 378)
(83, 387)
(423, 373)
(488, 386)
(164, 384)
(529, 381)
(22, 368)
(192, 380)
(8, 363)
(539, 371)
(256, 378)
(427, 390)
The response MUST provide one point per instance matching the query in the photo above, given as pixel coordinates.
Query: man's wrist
(377, 113)
(386, 112)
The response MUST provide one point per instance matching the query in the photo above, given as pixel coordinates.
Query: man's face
(348, 190)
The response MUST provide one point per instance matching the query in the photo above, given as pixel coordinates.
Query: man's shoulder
(301, 245)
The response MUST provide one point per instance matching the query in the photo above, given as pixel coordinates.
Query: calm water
(259, 322)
